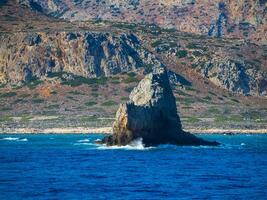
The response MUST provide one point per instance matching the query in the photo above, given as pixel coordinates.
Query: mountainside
(220, 18)
(86, 54)
(57, 73)
(42, 47)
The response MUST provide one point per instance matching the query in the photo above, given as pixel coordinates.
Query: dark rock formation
(236, 76)
(33, 39)
(151, 114)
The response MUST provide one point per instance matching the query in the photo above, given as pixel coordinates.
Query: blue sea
(73, 167)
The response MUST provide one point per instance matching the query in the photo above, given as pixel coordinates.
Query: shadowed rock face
(151, 114)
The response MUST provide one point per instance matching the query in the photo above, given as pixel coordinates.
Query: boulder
(151, 114)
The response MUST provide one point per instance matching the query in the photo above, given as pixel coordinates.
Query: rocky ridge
(46, 47)
(151, 114)
(219, 18)
(85, 54)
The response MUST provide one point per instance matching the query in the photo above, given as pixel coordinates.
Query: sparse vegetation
(5, 118)
(129, 89)
(156, 43)
(181, 54)
(124, 98)
(109, 103)
(191, 120)
(34, 83)
(130, 79)
(8, 94)
(90, 103)
(37, 101)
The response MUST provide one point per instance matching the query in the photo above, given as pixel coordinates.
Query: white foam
(10, 138)
(134, 145)
(84, 143)
(15, 139)
(23, 140)
(84, 140)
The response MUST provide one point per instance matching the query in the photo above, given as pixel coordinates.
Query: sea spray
(136, 144)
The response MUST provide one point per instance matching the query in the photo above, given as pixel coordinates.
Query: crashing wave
(136, 144)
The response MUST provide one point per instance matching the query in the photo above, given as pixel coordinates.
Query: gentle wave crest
(15, 139)
(84, 140)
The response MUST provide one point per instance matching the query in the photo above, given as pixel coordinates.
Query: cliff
(219, 18)
(86, 54)
(151, 114)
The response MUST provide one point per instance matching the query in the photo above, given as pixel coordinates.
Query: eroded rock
(151, 114)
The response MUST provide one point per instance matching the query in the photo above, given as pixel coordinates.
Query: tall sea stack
(151, 114)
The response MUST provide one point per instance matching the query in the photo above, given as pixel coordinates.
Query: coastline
(108, 130)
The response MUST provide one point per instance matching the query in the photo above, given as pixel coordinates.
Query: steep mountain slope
(241, 19)
(56, 73)
(94, 49)
(86, 54)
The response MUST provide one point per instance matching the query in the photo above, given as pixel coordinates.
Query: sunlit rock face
(151, 114)
(24, 56)
(219, 18)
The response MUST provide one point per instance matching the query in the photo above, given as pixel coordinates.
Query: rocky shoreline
(108, 130)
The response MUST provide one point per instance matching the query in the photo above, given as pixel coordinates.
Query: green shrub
(19, 101)
(214, 110)
(207, 98)
(181, 53)
(24, 95)
(109, 103)
(192, 46)
(53, 92)
(156, 43)
(37, 101)
(124, 26)
(78, 80)
(235, 100)
(25, 118)
(129, 89)
(148, 68)
(131, 74)
(34, 83)
(115, 82)
(197, 53)
(5, 118)
(90, 103)
(130, 80)
(55, 106)
(8, 94)
(124, 98)
(94, 94)
(5, 109)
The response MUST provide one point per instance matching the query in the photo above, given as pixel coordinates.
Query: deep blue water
(72, 167)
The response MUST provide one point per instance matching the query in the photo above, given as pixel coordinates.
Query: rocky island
(151, 114)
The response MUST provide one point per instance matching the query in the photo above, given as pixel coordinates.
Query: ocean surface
(73, 167)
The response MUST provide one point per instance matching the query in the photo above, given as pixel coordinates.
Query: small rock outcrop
(151, 114)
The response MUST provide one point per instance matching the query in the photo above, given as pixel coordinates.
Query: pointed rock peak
(151, 114)
(154, 89)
